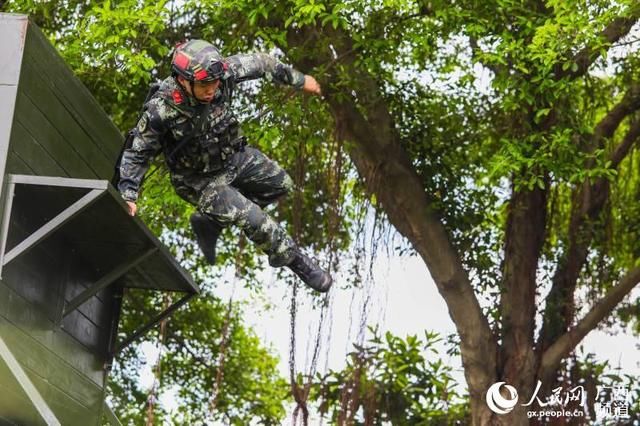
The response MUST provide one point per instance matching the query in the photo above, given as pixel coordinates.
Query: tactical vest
(201, 138)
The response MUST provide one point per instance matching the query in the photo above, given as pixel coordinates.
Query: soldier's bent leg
(226, 206)
(259, 178)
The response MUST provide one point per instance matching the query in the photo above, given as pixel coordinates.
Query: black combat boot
(310, 272)
(207, 232)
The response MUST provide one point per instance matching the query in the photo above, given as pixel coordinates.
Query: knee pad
(287, 183)
(202, 222)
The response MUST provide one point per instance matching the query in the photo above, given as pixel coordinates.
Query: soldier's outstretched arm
(258, 65)
(135, 160)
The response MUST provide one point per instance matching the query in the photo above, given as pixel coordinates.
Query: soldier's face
(205, 91)
(202, 91)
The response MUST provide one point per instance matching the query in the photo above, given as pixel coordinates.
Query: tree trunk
(524, 238)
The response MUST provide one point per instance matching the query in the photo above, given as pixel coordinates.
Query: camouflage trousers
(236, 195)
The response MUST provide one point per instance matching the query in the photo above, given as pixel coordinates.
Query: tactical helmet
(198, 60)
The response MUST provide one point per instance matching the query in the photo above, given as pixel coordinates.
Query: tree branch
(568, 342)
(475, 49)
(425, 8)
(180, 341)
(613, 32)
(622, 150)
(607, 126)
(588, 201)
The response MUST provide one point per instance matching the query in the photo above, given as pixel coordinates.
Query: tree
(498, 137)
(390, 379)
(513, 188)
(233, 380)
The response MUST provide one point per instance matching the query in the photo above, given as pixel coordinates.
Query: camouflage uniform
(226, 184)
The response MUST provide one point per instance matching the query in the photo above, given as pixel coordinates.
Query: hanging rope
(296, 391)
(334, 179)
(351, 396)
(217, 385)
(153, 392)
(300, 392)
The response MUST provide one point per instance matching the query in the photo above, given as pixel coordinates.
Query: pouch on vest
(128, 137)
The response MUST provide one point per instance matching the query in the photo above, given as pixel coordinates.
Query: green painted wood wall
(50, 125)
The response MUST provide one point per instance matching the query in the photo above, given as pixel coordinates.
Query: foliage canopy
(499, 137)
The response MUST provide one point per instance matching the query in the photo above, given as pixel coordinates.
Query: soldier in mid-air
(188, 118)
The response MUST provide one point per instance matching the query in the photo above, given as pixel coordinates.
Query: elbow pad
(287, 75)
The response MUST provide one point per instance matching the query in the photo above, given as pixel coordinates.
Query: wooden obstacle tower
(68, 249)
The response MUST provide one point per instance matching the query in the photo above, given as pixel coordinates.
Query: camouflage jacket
(171, 115)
